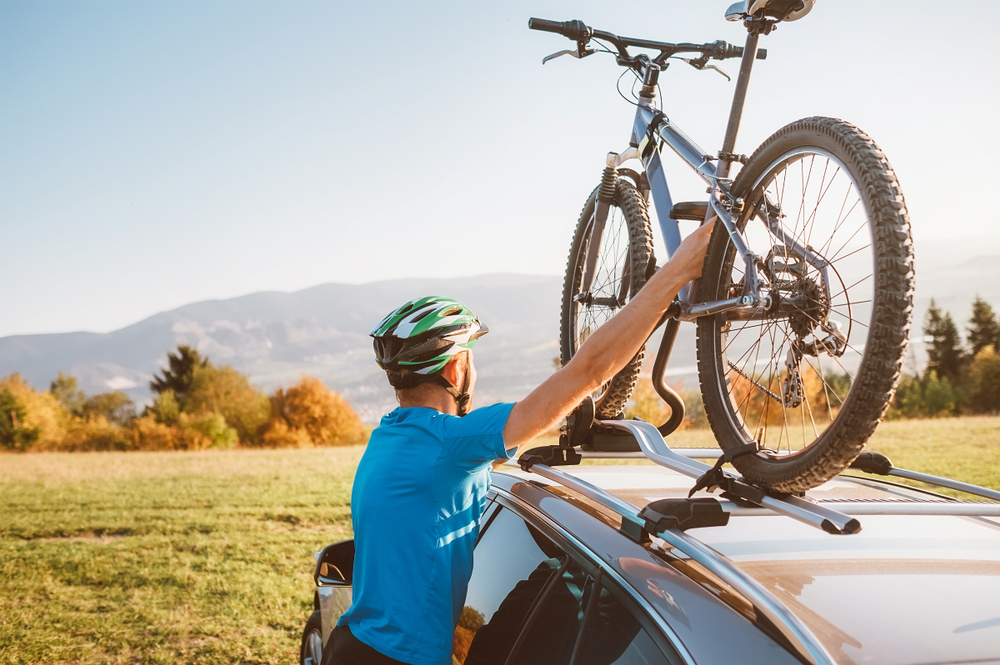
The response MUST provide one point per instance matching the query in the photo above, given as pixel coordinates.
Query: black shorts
(345, 649)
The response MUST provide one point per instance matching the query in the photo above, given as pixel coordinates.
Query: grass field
(207, 557)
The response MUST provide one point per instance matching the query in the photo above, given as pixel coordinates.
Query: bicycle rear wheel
(625, 255)
(810, 379)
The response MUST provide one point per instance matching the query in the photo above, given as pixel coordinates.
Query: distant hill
(275, 337)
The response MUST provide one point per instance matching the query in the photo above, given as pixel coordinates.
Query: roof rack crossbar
(798, 635)
(952, 508)
(651, 443)
(946, 482)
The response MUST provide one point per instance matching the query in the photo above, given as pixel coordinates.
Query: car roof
(906, 589)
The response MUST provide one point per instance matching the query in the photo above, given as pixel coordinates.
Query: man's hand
(689, 259)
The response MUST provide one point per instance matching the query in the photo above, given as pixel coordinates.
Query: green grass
(164, 557)
(207, 557)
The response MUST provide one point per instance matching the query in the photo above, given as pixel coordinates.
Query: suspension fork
(605, 197)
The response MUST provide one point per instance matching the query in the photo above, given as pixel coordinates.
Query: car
(615, 563)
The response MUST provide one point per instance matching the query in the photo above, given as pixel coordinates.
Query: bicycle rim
(779, 396)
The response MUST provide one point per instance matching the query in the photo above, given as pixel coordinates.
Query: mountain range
(323, 331)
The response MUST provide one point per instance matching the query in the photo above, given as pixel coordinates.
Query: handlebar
(583, 33)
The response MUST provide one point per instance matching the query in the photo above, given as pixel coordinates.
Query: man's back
(423, 478)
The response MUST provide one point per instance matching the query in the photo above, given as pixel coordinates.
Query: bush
(186, 433)
(95, 432)
(310, 414)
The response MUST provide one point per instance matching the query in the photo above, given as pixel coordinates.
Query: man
(420, 487)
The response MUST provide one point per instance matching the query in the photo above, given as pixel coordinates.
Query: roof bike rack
(655, 448)
(798, 635)
(869, 462)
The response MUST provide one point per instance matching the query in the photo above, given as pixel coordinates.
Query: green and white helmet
(424, 334)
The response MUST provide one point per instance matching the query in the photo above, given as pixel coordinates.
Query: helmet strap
(463, 400)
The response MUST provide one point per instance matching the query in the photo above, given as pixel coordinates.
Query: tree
(985, 375)
(41, 412)
(310, 414)
(65, 390)
(116, 407)
(944, 348)
(14, 434)
(984, 330)
(939, 396)
(164, 408)
(225, 391)
(180, 372)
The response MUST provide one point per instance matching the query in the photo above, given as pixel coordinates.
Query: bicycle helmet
(422, 336)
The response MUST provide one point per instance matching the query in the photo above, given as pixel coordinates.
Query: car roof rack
(657, 518)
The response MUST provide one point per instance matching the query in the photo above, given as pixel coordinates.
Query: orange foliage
(42, 412)
(761, 410)
(309, 414)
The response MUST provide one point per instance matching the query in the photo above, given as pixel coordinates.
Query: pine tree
(944, 348)
(180, 374)
(984, 330)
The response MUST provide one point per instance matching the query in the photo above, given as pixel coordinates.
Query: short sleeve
(477, 438)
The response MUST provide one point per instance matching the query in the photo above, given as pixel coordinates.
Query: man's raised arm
(609, 348)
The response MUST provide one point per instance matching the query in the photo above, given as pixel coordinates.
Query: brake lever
(700, 63)
(578, 53)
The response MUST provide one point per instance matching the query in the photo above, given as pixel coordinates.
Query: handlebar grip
(576, 29)
(545, 25)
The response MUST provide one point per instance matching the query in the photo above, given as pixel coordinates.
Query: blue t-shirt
(418, 496)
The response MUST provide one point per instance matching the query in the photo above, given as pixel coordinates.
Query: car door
(530, 602)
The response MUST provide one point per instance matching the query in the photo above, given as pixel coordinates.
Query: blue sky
(154, 154)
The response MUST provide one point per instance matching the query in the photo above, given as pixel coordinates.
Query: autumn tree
(15, 434)
(116, 407)
(944, 348)
(180, 372)
(984, 373)
(983, 330)
(65, 389)
(39, 416)
(225, 391)
(309, 414)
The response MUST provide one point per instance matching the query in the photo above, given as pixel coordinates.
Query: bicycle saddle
(781, 10)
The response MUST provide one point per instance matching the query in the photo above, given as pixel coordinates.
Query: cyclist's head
(416, 341)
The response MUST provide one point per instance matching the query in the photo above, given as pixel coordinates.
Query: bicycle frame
(650, 128)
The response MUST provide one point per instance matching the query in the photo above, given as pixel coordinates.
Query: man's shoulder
(485, 420)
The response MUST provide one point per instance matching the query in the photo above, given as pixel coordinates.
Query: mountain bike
(805, 302)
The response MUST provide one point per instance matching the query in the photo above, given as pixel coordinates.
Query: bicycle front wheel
(810, 377)
(624, 258)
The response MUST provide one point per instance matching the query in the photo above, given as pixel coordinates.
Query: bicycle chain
(754, 382)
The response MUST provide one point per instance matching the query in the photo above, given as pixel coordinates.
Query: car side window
(550, 637)
(513, 563)
(613, 636)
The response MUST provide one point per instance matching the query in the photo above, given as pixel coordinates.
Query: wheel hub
(810, 307)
